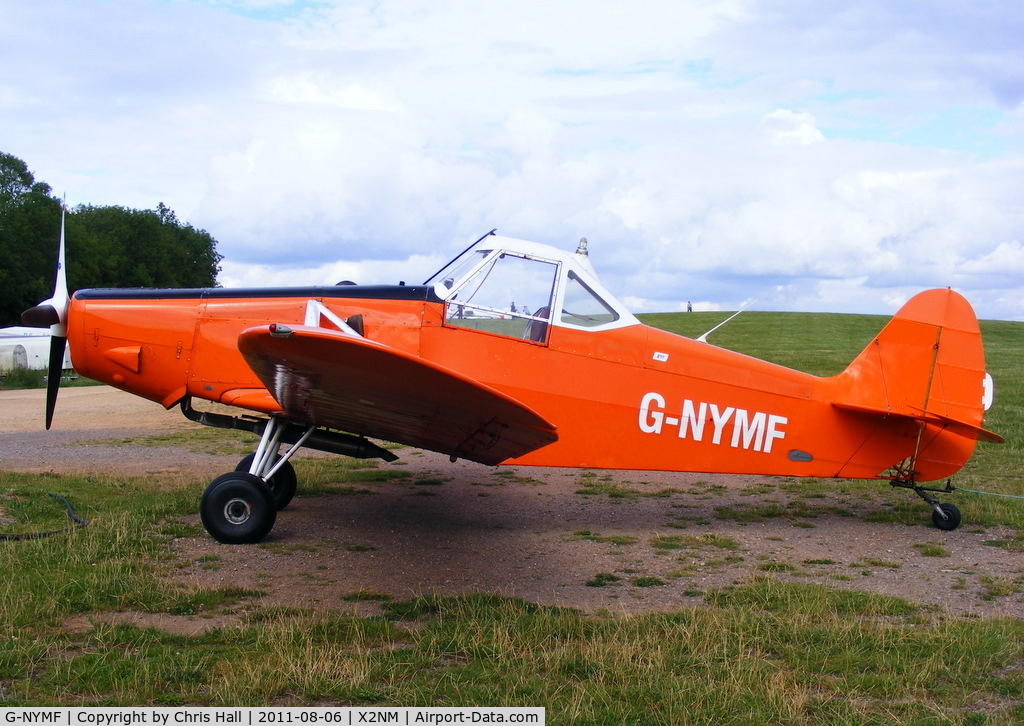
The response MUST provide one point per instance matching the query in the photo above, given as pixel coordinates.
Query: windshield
(460, 264)
(455, 270)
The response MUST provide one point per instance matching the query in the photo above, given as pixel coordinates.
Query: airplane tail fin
(926, 365)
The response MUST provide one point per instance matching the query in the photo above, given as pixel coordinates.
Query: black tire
(283, 484)
(238, 508)
(952, 520)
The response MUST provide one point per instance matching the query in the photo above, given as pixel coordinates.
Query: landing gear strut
(945, 516)
(275, 470)
(241, 507)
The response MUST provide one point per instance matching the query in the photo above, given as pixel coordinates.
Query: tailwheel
(238, 508)
(283, 483)
(946, 517)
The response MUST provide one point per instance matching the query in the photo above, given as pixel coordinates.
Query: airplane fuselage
(631, 397)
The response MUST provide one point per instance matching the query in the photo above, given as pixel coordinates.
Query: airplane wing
(342, 381)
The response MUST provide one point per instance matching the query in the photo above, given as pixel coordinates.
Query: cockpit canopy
(510, 287)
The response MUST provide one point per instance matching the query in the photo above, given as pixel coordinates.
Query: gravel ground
(531, 533)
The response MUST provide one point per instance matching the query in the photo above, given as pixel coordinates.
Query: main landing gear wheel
(238, 508)
(283, 484)
(951, 520)
(241, 507)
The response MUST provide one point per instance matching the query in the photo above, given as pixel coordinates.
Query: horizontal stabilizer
(970, 431)
(339, 380)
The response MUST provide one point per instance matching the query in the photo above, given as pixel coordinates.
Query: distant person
(689, 306)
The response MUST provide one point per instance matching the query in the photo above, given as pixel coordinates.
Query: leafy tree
(106, 246)
(142, 248)
(28, 215)
(15, 178)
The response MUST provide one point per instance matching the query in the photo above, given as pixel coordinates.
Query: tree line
(106, 246)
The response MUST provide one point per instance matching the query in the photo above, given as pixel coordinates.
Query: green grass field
(764, 652)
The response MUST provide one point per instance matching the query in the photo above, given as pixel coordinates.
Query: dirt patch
(624, 542)
(187, 625)
(88, 408)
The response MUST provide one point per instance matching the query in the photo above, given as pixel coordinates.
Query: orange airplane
(514, 353)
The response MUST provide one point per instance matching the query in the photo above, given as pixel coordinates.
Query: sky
(808, 155)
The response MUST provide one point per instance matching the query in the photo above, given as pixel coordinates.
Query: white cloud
(788, 128)
(832, 155)
(309, 89)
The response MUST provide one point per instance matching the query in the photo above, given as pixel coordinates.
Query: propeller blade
(53, 374)
(53, 313)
